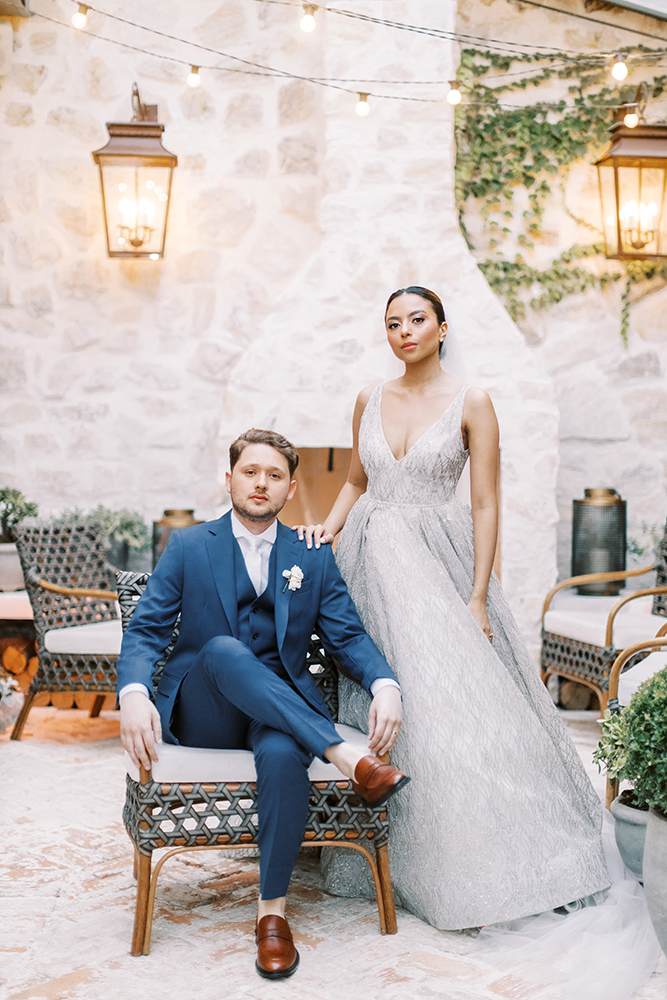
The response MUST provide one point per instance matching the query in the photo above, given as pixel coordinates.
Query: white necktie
(256, 561)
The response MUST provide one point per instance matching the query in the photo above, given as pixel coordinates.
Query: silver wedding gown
(500, 819)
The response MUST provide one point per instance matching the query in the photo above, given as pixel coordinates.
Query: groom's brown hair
(273, 439)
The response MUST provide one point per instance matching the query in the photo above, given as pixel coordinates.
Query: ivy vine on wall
(500, 150)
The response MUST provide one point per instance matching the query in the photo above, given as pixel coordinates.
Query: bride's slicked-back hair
(424, 293)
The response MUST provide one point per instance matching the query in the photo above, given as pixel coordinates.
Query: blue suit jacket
(195, 575)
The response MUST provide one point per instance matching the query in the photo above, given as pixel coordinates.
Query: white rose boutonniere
(293, 578)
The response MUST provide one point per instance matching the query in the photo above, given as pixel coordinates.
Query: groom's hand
(384, 720)
(140, 728)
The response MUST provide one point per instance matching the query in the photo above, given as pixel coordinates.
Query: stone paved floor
(67, 887)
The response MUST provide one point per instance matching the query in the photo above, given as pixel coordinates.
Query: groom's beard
(268, 511)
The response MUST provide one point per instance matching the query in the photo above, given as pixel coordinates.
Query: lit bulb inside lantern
(633, 215)
(308, 22)
(122, 187)
(631, 119)
(454, 95)
(619, 70)
(194, 78)
(155, 256)
(363, 107)
(80, 19)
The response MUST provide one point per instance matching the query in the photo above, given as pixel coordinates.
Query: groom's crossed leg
(225, 685)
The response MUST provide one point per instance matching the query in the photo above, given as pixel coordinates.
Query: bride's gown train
(500, 819)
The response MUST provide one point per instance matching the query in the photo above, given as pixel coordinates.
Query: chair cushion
(15, 604)
(194, 764)
(630, 680)
(585, 619)
(98, 639)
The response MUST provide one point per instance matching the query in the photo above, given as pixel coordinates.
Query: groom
(250, 595)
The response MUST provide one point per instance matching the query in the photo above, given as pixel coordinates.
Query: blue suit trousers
(229, 700)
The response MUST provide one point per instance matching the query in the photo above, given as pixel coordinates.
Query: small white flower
(294, 576)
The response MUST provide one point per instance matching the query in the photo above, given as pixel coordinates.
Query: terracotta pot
(11, 574)
(655, 874)
(630, 833)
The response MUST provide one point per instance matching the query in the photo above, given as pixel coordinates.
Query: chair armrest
(576, 581)
(608, 639)
(626, 654)
(103, 595)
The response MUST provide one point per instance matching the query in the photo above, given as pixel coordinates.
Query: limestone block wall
(388, 219)
(612, 399)
(291, 221)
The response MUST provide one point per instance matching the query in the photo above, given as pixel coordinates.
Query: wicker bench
(582, 636)
(196, 799)
(75, 614)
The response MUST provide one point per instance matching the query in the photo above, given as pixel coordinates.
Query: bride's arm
(354, 487)
(481, 427)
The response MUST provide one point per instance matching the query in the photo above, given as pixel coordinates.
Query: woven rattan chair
(197, 799)
(75, 614)
(648, 648)
(581, 640)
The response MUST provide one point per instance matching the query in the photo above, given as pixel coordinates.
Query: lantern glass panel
(136, 199)
(640, 210)
(609, 219)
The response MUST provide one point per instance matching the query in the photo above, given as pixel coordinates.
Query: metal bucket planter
(655, 874)
(630, 833)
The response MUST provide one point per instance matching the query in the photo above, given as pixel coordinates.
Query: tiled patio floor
(66, 913)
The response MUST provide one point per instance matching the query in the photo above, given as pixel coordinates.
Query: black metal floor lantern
(135, 177)
(632, 175)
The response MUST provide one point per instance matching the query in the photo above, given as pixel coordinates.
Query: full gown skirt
(500, 819)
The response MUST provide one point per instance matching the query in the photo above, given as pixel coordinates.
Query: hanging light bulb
(194, 78)
(308, 22)
(619, 70)
(363, 108)
(631, 120)
(80, 19)
(454, 95)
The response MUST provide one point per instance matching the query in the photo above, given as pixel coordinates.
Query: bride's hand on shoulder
(313, 533)
(477, 609)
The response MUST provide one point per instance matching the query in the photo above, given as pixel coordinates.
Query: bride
(500, 820)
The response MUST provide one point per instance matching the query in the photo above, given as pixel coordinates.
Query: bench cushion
(194, 764)
(585, 619)
(630, 680)
(98, 639)
(15, 604)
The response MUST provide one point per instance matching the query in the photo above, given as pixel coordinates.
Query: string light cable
(257, 69)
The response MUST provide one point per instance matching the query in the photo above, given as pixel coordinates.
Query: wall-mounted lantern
(632, 175)
(135, 178)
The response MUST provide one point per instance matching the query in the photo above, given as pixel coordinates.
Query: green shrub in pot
(633, 746)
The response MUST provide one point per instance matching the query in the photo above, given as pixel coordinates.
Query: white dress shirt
(256, 552)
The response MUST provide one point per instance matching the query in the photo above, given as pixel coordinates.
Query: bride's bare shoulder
(366, 394)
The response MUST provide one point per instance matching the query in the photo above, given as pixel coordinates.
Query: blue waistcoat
(256, 615)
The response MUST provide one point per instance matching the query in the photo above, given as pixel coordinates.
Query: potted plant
(125, 532)
(13, 508)
(634, 748)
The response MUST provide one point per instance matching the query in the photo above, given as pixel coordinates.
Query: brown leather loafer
(277, 957)
(375, 782)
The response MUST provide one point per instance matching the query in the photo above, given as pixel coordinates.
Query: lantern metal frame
(641, 147)
(137, 143)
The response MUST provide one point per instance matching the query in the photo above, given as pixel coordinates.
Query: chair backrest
(130, 587)
(660, 600)
(68, 555)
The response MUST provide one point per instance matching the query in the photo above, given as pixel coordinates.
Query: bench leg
(97, 706)
(141, 912)
(382, 856)
(22, 717)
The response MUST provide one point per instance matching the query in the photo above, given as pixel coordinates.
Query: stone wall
(612, 399)
(291, 221)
